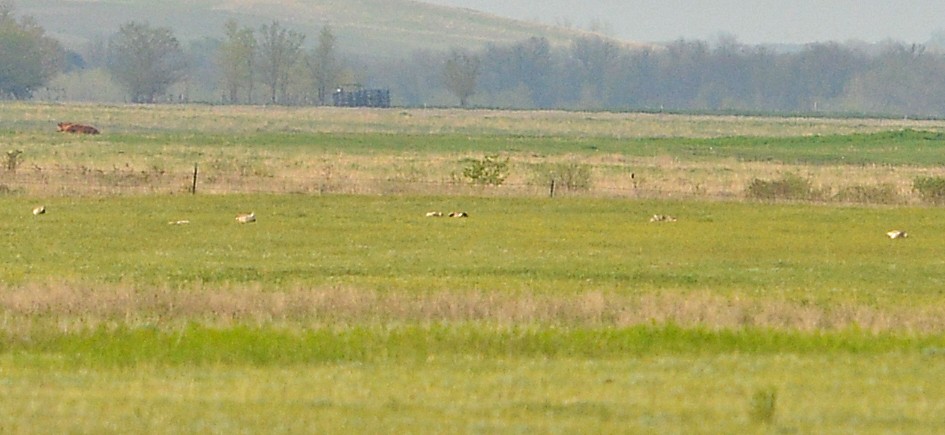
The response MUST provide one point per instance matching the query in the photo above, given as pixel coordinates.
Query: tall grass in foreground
(70, 308)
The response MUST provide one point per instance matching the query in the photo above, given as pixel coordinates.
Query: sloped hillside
(367, 27)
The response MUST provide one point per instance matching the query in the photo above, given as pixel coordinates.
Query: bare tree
(279, 50)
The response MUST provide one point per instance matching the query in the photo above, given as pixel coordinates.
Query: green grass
(832, 393)
(355, 313)
(198, 345)
(917, 148)
(796, 252)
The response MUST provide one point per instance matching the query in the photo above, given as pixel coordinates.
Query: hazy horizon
(752, 22)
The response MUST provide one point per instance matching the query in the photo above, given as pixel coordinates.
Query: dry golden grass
(74, 307)
(612, 175)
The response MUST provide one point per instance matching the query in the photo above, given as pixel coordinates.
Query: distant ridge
(378, 28)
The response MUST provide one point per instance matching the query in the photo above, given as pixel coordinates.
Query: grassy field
(521, 305)
(339, 312)
(149, 150)
(652, 394)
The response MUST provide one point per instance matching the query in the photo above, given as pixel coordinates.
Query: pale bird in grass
(246, 218)
(39, 210)
(434, 213)
(662, 218)
(459, 214)
(181, 222)
(897, 234)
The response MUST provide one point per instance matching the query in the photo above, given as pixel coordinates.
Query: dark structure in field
(359, 97)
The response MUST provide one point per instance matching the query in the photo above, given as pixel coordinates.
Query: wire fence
(59, 181)
(84, 181)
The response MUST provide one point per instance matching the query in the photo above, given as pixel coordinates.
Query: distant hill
(379, 28)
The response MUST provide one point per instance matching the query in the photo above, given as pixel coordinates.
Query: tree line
(726, 76)
(273, 64)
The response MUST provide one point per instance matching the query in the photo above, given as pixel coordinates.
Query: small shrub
(881, 194)
(790, 186)
(570, 176)
(255, 169)
(762, 407)
(488, 170)
(13, 160)
(931, 189)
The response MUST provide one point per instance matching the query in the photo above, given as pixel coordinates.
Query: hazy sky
(751, 21)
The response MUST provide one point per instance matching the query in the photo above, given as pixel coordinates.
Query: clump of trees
(28, 58)
(598, 73)
(274, 57)
(273, 64)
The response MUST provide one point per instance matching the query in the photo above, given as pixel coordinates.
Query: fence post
(193, 187)
(551, 193)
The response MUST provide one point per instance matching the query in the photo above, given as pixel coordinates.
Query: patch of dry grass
(441, 174)
(75, 307)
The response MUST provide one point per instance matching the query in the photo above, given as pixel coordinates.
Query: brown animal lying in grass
(70, 127)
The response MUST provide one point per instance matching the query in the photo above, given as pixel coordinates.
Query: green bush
(931, 189)
(570, 176)
(790, 186)
(763, 403)
(881, 194)
(489, 170)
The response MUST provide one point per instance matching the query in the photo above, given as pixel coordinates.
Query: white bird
(434, 213)
(662, 218)
(181, 222)
(246, 218)
(897, 234)
(39, 210)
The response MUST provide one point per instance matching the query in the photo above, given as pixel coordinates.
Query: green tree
(460, 75)
(145, 60)
(279, 50)
(28, 58)
(237, 60)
